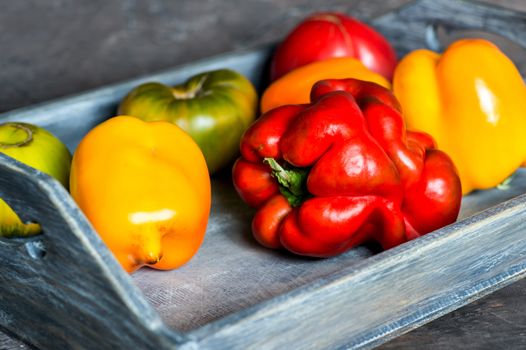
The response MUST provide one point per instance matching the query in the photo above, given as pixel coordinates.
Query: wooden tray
(63, 289)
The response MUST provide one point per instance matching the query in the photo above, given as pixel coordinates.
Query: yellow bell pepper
(472, 100)
(145, 189)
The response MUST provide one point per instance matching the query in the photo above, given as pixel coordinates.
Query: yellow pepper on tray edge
(145, 188)
(472, 100)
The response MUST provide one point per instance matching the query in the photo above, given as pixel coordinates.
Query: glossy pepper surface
(146, 190)
(295, 87)
(342, 170)
(327, 35)
(472, 100)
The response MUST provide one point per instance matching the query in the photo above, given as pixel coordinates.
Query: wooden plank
(8, 341)
(493, 322)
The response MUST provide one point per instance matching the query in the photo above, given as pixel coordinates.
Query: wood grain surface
(55, 48)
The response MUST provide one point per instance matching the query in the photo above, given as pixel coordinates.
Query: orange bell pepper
(472, 100)
(295, 86)
(146, 190)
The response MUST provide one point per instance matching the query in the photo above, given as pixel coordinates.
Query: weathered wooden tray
(63, 289)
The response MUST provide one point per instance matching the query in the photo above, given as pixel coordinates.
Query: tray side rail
(387, 294)
(63, 288)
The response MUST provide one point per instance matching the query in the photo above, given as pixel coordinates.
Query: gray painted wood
(492, 323)
(431, 25)
(63, 288)
(235, 294)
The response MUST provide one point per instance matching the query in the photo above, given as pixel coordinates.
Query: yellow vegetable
(145, 188)
(472, 100)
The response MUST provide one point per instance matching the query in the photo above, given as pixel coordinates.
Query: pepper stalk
(292, 181)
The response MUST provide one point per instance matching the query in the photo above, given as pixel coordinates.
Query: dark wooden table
(56, 48)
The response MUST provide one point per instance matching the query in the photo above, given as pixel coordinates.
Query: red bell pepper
(331, 34)
(341, 171)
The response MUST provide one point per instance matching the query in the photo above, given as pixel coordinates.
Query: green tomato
(214, 107)
(39, 149)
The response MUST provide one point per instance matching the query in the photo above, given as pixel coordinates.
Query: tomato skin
(145, 188)
(329, 35)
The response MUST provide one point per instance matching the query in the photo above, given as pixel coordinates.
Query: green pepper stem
(190, 90)
(292, 182)
(8, 139)
(506, 184)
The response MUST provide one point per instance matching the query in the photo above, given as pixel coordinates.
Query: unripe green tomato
(214, 107)
(39, 149)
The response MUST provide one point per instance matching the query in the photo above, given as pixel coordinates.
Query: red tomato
(327, 35)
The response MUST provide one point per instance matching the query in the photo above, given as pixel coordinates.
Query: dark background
(55, 48)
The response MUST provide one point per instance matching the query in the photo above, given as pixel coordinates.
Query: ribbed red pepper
(326, 35)
(341, 171)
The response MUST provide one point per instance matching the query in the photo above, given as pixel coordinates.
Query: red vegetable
(341, 171)
(327, 35)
